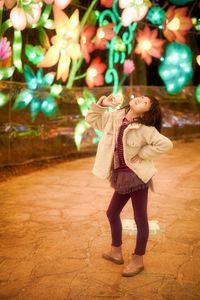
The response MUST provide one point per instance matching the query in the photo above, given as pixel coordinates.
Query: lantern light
(18, 18)
(176, 68)
(3, 99)
(198, 93)
(198, 59)
(156, 15)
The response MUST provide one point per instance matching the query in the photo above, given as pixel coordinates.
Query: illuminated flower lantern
(198, 93)
(133, 10)
(103, 35)
(6, 70)
(26, 12)
(196, 23)
(148, 44)
(176, 68)
(198, 59)
(59, 3)
(85, 41)
(3, 99)
(128, 66)
(94, 74)
(107, 3)
(177, 24)
(180, 2)
(5, 52)
(65, 43)
(27, 97)
(156, 15)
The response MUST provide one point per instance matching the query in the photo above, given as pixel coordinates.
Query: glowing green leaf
(156, 15)
(198, 93)
(80, 128)
(6, 72)
(23, 100)
(35, 107)
(176, 67)
(34, 54)
(49, 106)
(3, 99)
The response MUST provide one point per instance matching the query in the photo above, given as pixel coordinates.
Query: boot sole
(131, 274)
(112, 259)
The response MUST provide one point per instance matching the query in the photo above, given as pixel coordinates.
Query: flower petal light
(148, 44)
(133, 10)
(128, 66)
(85, 41)
(65, 43)
(177, 24)
(107, 3)
(59, 3)
(103, 35)
(24, 14)
(94, 74)
(5, 50)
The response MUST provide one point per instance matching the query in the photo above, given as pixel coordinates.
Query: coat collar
(120, 114)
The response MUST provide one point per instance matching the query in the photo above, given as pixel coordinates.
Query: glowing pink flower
(133, 10)
(85, 41)
(94, 74)
(103, 35)
(59, 3)
(177, 24)
(5, 52)
(23, 14)
(148, 44)
(107, 3)
(128, 66)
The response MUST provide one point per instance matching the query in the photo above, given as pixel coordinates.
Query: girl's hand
(136, 158)
(111, 100)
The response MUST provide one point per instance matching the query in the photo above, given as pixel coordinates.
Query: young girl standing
(131, 138)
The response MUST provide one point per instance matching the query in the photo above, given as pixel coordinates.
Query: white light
(92, 72)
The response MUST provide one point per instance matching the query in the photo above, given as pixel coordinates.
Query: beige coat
(139, 139)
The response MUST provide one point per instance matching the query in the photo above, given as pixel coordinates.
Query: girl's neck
(130, 115)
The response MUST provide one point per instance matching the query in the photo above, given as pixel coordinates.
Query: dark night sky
(193, 41)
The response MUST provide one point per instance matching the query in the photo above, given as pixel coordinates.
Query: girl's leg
(117, 203)
(139, 202)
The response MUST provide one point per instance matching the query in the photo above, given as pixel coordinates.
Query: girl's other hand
(136, 159)
(109, 101)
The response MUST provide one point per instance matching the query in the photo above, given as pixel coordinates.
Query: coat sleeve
(97, 116)
(156, 144)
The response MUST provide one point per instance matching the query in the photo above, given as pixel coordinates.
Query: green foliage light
(46, 103)
(3, 99)
(34, 54)
(198, 93)
(176, 68)
(156, 15)
(180, 2)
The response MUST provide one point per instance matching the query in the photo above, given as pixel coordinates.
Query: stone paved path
(53, 230)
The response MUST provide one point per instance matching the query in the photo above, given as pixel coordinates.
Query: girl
(130, 140)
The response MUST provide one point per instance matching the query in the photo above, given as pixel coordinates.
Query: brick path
(53, 230)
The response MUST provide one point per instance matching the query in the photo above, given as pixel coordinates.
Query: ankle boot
(134, 267)
(114, 255)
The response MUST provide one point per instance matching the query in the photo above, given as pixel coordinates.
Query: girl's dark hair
(152, 117)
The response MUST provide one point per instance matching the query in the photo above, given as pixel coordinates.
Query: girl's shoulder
(147, 130)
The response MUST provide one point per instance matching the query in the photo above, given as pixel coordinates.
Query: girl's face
(140, 104)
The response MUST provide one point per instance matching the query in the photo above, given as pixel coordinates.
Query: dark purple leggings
(139, 203)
